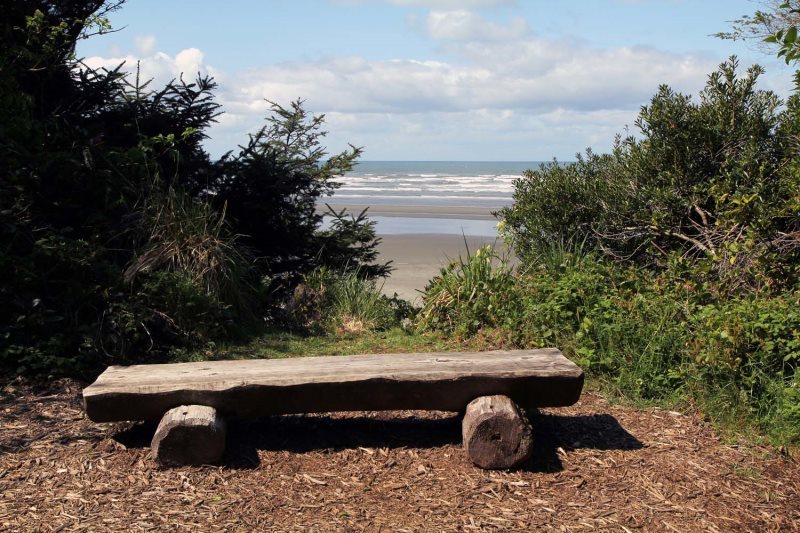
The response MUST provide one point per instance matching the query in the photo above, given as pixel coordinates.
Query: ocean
(486, 184)
(448, 189)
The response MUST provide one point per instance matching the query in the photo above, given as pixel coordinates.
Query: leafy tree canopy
(120, 238)
(713, 182)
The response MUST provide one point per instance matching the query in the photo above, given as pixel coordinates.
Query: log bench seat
(192, 399)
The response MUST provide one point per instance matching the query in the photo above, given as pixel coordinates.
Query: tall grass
(344, 302)
(357, 304)
(470, 293)
(562, 255)
(187, 235)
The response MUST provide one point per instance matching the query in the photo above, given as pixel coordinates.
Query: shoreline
(419, 257)
(422, 239)
(418, 211)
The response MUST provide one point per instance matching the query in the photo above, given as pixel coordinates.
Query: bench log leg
(497, 434)
(189, 435)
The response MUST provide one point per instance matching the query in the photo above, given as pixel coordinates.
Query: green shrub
(637, 340)
(649, 336)
(670, 267)
(784, 419)
(350, 244)
(271, 190)
(178, 311)
(186, 235)
(120, 238)
(652, 339)
(555, 306)
(357, 304)
(344, 302)
(559, 203)
(471, 293)
(749, 335)
(713, 181)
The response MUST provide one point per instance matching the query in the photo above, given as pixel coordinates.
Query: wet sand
(417, 258)
(420, 211)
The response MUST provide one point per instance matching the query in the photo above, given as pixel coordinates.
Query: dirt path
(597, 467)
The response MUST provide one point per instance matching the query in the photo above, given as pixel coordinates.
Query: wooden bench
(193, 398)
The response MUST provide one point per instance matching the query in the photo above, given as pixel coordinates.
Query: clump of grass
(188, 236)
(345, 303)
(562, 255)
(358, 305)
(470, 293)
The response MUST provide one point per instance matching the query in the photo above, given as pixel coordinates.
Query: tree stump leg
(497, 434)
(189, 435)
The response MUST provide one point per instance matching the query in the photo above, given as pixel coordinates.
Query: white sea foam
(446, 183)
(379, 189)
(422, 196)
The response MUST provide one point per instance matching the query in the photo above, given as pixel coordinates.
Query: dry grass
(189, 236)
(352, 325)
(597, 467)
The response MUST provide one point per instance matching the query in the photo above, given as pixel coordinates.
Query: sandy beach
(417, 257)
(420, 211)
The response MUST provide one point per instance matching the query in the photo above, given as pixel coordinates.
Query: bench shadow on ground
(553, 433)
(301, 434)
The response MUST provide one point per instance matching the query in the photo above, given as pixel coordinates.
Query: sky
(435, 80)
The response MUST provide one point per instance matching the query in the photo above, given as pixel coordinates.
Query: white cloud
(157, 66)
(462, 25)
(436, 4)
(528, 78)
(542, 99)
(189, 62)
(503, 92)
(494, 133)
(145, 44)
(452, 4)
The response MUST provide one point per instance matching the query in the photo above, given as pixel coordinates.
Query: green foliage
(778, 15)
(714, 181)
(162, 309)
(610, 326)
(187, 235)
(560, 202)
(350, 243)
(358, 305)
(120, 240)
(271, 190)
(658, 339)
(344, 302)
(471, 293)
(669, 268)
(775, 28)
(751, 334)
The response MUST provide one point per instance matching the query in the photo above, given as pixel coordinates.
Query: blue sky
(436, 79)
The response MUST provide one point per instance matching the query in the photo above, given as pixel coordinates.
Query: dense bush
(715, 180)
(119, 237)
(344, 302)
(473, 292)
(656, 340)
(669, 268)
(270, 192)
(644, 334)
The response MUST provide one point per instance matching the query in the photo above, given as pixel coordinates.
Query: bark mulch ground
(597, 466)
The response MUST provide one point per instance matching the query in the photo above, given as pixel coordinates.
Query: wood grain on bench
(431, 381)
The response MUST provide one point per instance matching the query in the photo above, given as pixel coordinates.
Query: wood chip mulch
(597, 466)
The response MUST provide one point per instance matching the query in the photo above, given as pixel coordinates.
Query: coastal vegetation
(669, 268)
(121, 240)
